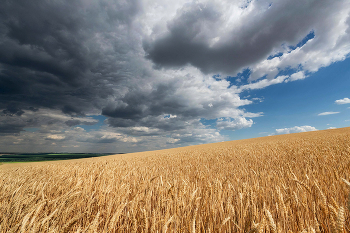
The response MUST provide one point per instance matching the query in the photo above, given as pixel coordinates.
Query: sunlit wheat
(289, 183)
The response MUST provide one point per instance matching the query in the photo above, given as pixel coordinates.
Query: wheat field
(287, 183)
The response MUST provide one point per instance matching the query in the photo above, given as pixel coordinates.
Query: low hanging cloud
(43, 118)
(296, 129)
(343, 101)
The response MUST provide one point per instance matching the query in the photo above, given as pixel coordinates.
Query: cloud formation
(221, 37)
(296, 129)
(327, 113)
(343, 101)
(147, 66)
(54, 55)
(229, 124)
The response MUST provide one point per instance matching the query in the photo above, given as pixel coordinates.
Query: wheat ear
(272, 224)
(340, 220)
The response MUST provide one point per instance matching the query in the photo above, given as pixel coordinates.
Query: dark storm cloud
(160, 123)
(79, 122)
(137, 104)
(143, 108)
(50, 57)
(62, 61)
(107, 140)
(251, 40)
(12, 110)
(6, 128)
(13, 120)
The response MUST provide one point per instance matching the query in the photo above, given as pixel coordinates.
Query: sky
(133, 75)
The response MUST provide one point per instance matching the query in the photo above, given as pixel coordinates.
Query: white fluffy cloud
(296, 129)
(264, 83)
(297, 76)
(55, 137)
(343, 101)
(233, 124)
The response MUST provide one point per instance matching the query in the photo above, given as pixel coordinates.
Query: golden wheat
(289, 183)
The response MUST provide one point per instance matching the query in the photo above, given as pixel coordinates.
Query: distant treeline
(36, 157)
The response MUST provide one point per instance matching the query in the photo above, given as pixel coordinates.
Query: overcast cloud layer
(148, 67)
